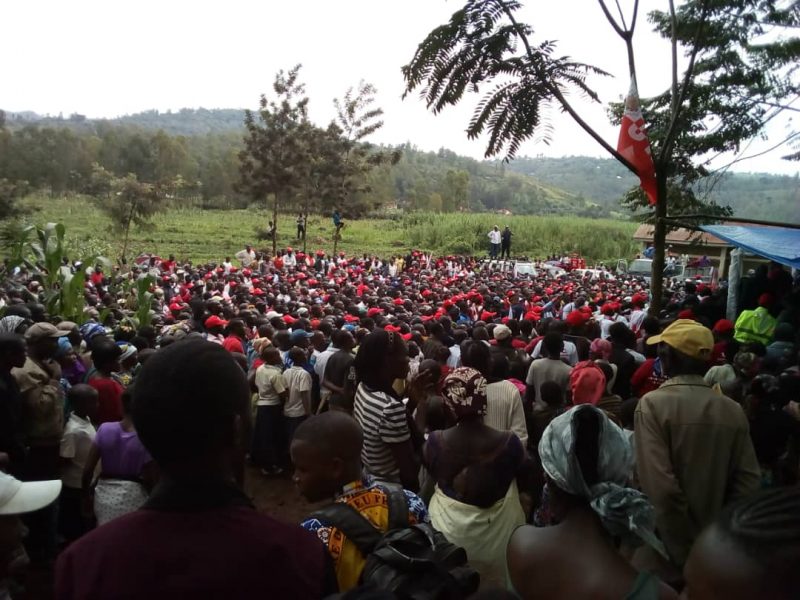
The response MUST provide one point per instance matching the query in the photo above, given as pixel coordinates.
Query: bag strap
(351, 522)
(398, 510)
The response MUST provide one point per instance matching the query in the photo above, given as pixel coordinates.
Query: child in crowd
(298, 401)
(76, 443)
(272, 394)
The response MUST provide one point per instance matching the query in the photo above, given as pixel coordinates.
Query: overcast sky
(114, 57)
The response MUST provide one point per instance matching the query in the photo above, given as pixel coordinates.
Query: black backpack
(415, 562)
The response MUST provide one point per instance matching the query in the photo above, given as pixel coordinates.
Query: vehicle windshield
(640, 266)
(525, 269)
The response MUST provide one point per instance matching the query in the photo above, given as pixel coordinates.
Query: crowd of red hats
(394, 292)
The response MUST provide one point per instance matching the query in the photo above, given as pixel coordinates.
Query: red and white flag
(634, 145)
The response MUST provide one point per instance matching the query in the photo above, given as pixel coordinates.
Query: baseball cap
(299, 334)
(687, 336)
(18, 497)
(40, 331)
(215, 321)
(502, 332)
(723, 326)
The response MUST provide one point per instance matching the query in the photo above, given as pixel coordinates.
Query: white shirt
(270, 384)
(569, 353)
(290, 260)
(494, 236)
(322, 360)
(298, 382)
(504, 410)
(246, 257)
(76, 442)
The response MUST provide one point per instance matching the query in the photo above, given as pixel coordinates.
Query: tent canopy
(780, 244)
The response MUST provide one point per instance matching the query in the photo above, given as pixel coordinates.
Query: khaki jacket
(694, 455)
(42, 401)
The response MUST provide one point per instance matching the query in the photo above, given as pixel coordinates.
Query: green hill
(438, 181)
(604, 181)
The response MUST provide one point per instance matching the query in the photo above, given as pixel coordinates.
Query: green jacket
(755, 326)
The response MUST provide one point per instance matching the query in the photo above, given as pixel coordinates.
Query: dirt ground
(277, 496)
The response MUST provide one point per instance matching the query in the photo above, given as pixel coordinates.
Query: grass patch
(206, 235)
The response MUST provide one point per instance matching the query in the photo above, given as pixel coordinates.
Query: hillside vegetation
(434, 181)
(210, 235)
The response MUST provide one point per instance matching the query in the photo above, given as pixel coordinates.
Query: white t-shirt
(76, 442)
(494, 237)
(297, 381)
(270, 384)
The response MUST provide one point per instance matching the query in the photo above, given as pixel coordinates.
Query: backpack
(415, 562)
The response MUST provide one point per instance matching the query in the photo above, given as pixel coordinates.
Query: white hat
(502, 332)
(272, 314)
(17, 497)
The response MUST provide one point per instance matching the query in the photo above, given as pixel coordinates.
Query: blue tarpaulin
(780, 244)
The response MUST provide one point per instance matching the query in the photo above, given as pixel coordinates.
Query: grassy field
(204, 235)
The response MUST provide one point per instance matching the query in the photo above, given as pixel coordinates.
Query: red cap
(215, 321)
(575, 318)
(392, 328)
(406, 336)
(765, 300)
(723, 326)
(374, 311)
(686, 314)
(399, 301)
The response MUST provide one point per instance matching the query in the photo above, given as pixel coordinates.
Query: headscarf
(91, 329)
(128, 350)
(587, 382)
(464, 393)
(10, 323)
(624, 511)
(601, 347)
(64, 347)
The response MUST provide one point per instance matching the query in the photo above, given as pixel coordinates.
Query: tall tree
(358, 118)
(275, 145)
(739, 71)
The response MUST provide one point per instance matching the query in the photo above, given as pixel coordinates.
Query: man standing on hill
(505, 243)
(494, 242)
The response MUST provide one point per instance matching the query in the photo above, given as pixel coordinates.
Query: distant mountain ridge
(584, 185)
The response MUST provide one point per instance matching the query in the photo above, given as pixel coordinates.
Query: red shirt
(110, 399)
(228, 552)
(233, 344)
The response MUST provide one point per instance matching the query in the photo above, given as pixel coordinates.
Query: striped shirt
(504, 410)
(383, 422)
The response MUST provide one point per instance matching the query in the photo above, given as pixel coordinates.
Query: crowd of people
(556, 438)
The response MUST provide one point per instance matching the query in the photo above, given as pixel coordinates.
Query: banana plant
(144, 300)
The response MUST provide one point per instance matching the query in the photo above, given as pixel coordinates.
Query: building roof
(644, 233)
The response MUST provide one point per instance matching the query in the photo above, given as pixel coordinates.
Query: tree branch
(554, 89)
(669, 138)
(620, 31)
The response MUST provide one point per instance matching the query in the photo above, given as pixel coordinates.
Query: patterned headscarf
(587, 382)
(10, 323)
(91, 329)
(464, 393)
(624, 511)
(601, 347)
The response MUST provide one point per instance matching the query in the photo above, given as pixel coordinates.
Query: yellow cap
(688, 337)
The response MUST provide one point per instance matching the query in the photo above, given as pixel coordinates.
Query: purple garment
(122, 455)
(75, 373)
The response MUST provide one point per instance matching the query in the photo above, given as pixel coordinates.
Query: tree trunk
(660, 245)
(305, 226)
(275, 225)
